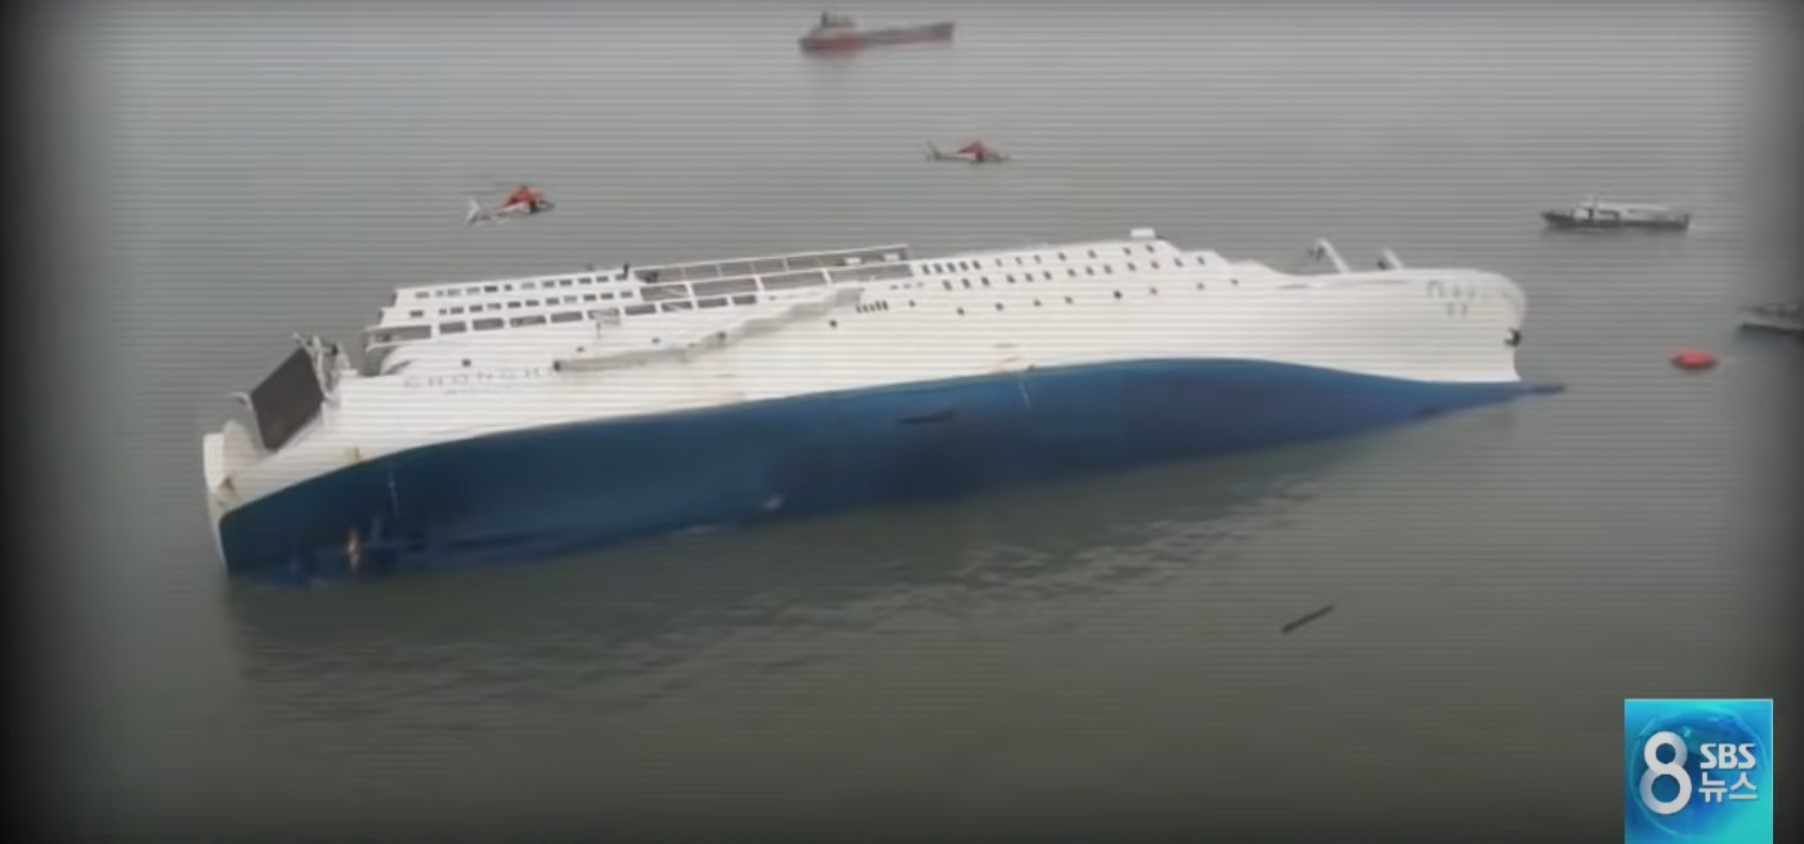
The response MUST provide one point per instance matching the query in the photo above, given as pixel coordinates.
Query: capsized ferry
(519, 418)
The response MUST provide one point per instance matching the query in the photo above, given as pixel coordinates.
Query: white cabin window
(588, 297)
(526, 285)
(567, 316)
(640, 310)
(453, 327)
(415, 314)
(749, 299)
(422, 295)
(1092, 253)
(529, 319)
(1155, 265)
(532, 303)
(1131, 267)
(490, 288)
(1149, 248)
(565, 282)
(489, 324)
(1177, 262)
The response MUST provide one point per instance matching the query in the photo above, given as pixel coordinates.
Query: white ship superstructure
(528, 415)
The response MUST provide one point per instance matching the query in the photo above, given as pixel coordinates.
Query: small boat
(838, 32)
(1777, 318)
(1593, 214)
(975, 152)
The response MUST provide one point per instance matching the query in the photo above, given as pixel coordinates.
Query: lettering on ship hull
(481, 380)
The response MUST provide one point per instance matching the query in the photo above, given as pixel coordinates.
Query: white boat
(517, 418)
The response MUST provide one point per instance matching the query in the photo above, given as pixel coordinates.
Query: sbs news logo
(1698, 771)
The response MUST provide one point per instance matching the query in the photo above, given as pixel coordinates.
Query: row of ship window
(420, 332)
(584, 281)
(478, 289)
(1071, 272)
(1020, 260)
(528, 303)
(408, 333)
(489, 324)
(793, 280)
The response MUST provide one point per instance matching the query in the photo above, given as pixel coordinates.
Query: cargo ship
(838, 33)
(1595, 214)
(519, 418)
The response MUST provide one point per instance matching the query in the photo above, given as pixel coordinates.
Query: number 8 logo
(1657, 769)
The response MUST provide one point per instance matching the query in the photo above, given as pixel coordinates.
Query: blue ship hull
(541, 492)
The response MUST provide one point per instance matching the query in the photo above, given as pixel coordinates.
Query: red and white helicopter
(975, 152)
(522, 201)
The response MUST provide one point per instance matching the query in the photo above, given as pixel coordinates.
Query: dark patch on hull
(536, 493)
(931, 418)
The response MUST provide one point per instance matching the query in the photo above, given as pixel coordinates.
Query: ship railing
(687, 294)
(718, 337)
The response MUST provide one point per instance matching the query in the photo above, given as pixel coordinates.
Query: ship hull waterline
(1564, 221)
(532, 494)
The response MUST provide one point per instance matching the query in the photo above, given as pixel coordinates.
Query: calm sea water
(1101, 656)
